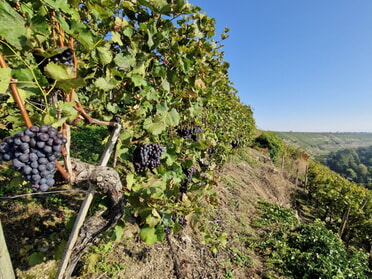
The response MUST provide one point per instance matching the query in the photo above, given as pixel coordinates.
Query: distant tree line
(353, 163)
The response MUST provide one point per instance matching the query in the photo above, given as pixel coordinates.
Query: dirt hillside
(247, 177)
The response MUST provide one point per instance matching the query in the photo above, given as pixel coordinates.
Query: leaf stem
(31, 70)
(16, 96)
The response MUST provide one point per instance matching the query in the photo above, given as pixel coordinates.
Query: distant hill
(320, 144)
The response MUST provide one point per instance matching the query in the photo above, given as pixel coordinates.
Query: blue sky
(303, 65)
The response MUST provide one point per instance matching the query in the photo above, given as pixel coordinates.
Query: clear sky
(302, 65)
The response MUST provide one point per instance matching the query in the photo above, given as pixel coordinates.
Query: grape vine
(155, 66)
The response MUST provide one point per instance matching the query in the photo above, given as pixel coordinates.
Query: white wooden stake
(85, 207)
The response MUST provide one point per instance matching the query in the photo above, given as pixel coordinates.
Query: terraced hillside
(319, 144)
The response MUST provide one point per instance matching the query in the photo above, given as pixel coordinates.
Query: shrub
(272, 142)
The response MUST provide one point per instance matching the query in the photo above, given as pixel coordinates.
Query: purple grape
(50, 141)
(51, 166)
(33, 157)
(26, 170)
(42, 168)
(52, 132)
(4, 147)
(44, 173)
(42, 137)
(35, 178)
(40, 144)
(39, 154)
(17, 164)
(34, 129)
(47, 149)
(24, 158)
(23, 146)
(50, 181)
(29, 133)
(19, 134)
(43, 187)
(57, 141)
(42, 181)
(25, 138)
(52, 158)
(57, 148)
(8, 156)
(17, 141)
(32, 143)
(43, 161)
(44, 129)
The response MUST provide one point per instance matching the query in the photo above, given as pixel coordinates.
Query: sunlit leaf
(148, 235)
(154, 127)
(58, 71)
(12, 26)
(104, 84)
(172, 118)
(105, 55)
(4, 79)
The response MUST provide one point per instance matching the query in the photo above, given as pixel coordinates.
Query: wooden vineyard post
(63, 269)
(297, 176)
(6, 268)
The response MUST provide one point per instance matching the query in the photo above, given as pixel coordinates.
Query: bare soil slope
(245, 179)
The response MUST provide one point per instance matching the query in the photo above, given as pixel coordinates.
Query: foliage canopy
(155, 65)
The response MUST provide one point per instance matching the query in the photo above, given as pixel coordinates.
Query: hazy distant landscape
(320, 144)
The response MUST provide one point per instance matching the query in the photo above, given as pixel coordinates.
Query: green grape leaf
(172, 118)
(39, 25)
(159, 6)
(12, 26)
(115, 38)
(148, 235)
(125, 61)
(104, 84)
(4, 79)
(58, 4)
(68, 110)
(165, 84)
(112, 107)
(152, 95)
(16, 182)
(154, 128)
(58, 71)
(129, 180)
(36, 258)
(105, 55)
(67, 84)
(137, 79)
(80, 33)
(21, 75)
(153, 219)
(128, 32)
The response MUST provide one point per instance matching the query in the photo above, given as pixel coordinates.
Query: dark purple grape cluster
(147, 156)
(190, 133)
(65, 57)
(33, 153)
(182, 221)
(189, 174)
